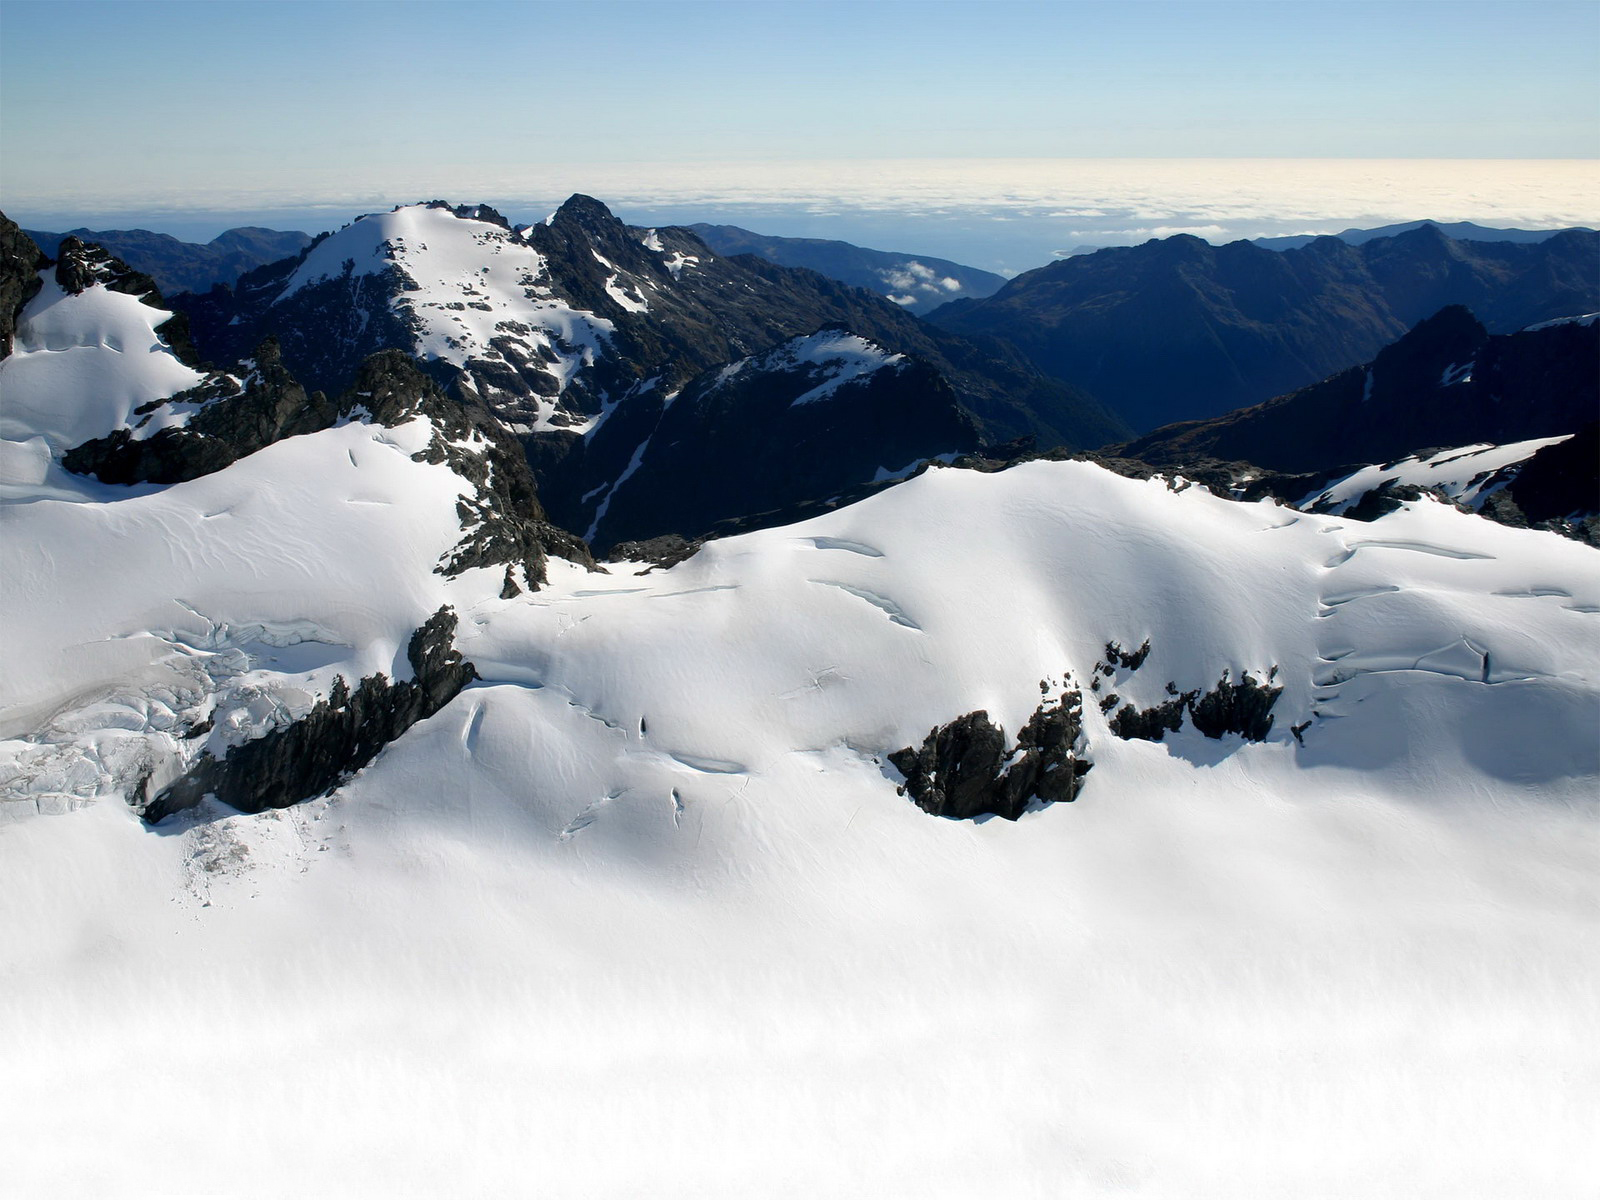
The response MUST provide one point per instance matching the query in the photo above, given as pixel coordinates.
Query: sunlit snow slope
(642, 910)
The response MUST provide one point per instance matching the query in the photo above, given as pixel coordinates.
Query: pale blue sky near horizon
(147, 107)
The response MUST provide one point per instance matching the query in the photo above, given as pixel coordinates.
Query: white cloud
(1154, 192)
(986, 212)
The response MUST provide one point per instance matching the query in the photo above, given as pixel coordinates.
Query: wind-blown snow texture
(643, 904)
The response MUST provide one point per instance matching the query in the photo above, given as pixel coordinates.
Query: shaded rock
(668, 550)
(80, 265)
(235, 421)
(1244, 708)
(20, 264)
(1128, 660)
(1151, 724)
(964, 769)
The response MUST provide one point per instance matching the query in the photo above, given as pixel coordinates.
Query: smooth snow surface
(641, 912)
(81, 364)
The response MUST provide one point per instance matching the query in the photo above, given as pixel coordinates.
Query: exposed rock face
(1557, 489)
(1128, 660)
(1244, 708)
(808, 420)
(20, 264)
(636, 366)
(1151, 724)
(341, 735)
(964, 769)
(502, 520)
(1177, 329)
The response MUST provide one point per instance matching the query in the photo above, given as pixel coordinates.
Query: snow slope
(1467, 474)
(642, 909)
(81, 365)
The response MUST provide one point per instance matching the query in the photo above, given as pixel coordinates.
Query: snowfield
(642, 909)
(82, 364)
(644, 903)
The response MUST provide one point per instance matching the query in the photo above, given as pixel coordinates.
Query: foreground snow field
(643, 909)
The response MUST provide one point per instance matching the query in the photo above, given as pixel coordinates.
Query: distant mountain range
(186, 266)
(1180, 329)
(1465, 231)
(917, 282)
(659, 388)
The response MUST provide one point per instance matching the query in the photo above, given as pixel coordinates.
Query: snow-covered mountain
(333, 807)
(578, 334)
(551, 324)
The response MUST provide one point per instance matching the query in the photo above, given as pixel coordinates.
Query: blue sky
(122, 104)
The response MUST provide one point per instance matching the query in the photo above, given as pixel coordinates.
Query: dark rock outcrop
(1128, 660)
(1558, 489)
(965, 769)
(1244, 708)
(81, 264)
(235, 420)
(20, 264)
(336, 739)
(1151, 724)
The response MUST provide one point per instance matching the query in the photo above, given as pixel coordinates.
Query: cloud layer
(1025, 208)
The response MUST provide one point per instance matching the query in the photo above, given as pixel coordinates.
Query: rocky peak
(481, 212)
(587, 214)
(1452, 337)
